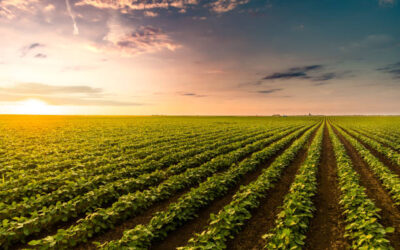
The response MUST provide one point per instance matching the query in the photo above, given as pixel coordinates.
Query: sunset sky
(194, 57)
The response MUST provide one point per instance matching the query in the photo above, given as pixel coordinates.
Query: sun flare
(35, 107)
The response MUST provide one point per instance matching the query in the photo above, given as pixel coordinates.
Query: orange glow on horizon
(34, 107)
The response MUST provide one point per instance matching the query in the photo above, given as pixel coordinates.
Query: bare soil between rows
(326, 229)
(263, 217)
(395, 169)
(180, 236)
(143, 218)
(390, 214)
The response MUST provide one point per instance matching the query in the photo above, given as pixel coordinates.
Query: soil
(390, 214)
(382, 158)
(326, 229)
(144, 218)
(263, 217)
(180, 236)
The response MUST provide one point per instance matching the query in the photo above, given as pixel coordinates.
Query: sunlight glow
(35, 107)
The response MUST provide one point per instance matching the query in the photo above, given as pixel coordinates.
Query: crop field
(76, 182)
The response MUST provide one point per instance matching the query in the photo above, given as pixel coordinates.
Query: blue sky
(193, 57)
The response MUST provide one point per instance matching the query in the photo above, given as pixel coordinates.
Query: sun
(34, 107)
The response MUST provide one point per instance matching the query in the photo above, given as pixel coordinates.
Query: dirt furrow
(390, 214)
(263, 217)
(180, 236)
(326, 230)
(395, 169)
(143, 218)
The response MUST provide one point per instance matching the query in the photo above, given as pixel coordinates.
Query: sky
(195, 57)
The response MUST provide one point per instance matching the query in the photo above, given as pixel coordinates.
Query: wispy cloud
(221, 6)
(69, 101)
(8, 8)
(71, 14)
(127, 42)
(60, 95)
(393, 69)
(269, 91)
(386, 3)
(295, 72)
(45, 89)
(40, 55)
(25, 50)
(192, 94)
(218, 6)
(374, 41)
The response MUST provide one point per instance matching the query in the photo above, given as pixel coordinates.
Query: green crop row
(230, 219)
(114, 152)
(188, 205)
(116, 171)
(19, 228)
(49, 182)
(381, 137)
(298, 207)
(389, 153)
(389, 180)
(134, 203)
(361, 214)
(124, 181)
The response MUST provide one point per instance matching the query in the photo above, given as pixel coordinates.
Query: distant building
(276, 115)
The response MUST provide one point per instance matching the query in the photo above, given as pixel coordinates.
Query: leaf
(389, 230)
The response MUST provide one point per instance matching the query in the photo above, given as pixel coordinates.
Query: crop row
(381, 137)
(134, 203)
(391, 154)
(389, 180)
(48, 181)
(228, 221)
(361, 214)
(188, 205)
(109, 172)
(121, 182)
(298, 207)
(113, 151)
(21, 227)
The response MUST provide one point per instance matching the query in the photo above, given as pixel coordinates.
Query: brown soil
(263, 217)
(384, 144)
(143, 218)
(382, 158)
(390, 214)
(180, 236)
(326, 229)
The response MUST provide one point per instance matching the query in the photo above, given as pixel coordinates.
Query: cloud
(190, 94)
(45, 89)
(60, 95)
(221, 6)
(374, 41)
(393, 69)
(218, 6)
(296, 72)
(150, 13)
(69, 101)
(71, 14)
(137, 4)
(25, 50)
(144, 39)
(386, 3)
(40, 55)
(8, 8)
(268, 91)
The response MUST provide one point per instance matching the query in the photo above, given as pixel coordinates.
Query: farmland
(76, 182)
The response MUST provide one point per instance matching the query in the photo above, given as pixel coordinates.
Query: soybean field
(155, 182)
